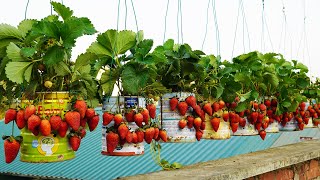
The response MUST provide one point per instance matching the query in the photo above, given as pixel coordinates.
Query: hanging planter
(51, 148)
(124, 105)
(53, 116)
(171, 118)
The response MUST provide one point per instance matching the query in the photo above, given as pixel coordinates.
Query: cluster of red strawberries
(197, 120)
(302, 114)
(120, 133)
(74, 121)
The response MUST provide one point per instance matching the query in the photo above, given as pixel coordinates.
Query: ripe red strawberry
(73, 119)
(117, 119)
(215, 106)
(254, 116)
(242, 122)
(45, 127)
(33, 122)
(81, 107)
(215, 122)
(255, 105)
(269, 112)
(107, 118)
(156, 133)
(123, 130)
(199, 134)
(260, 117)
(163, 135)
(129, 115)
(265, 125)
(183, 108)
(11, 149)
(74, 142)
(306, 120)
(10, 115)
(267, 102)
(140, 135)
(197, 122)
(301, 126)
(222, 104)
(198, 110)
(20, 121)
(93, 122)
(83, 122)
(203, 125)
(302, 106)
(271, 120)
(134, 138)
(152, 110)
(298, 119)
(208, 109)
(129, 137)
(234, 127)
(266, 119)
(173, 103)
(258, 126)
(191, 101)
(225, 116)
(138, 119)
(145, 114)
(112, 141)
(202, 115)
(241, 114)
(82, 132)
(62, 131)
(90, 112)
(262, 107)
(190, 120)
(233, 105)
(55, 122)
(182, 123)
(30, 110)
(35, 131)
(262, 134)
(148, 135)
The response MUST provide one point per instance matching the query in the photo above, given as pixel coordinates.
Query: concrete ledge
(243, 166)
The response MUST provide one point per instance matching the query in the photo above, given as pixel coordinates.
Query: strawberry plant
(126, 61)
(37, 55)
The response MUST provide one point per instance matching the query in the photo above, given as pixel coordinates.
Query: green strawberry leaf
(168, 45)
(63, 11)
(241, 106)
(8, 31)
(27, 73)
(28, 52)
(62, 69)
(54, 55)
(25, 26)
(44, 28)
(107, 81)
(302, 83)
(134, 79)
(13, 52)
(125, 40)
(144, 47)
(140, 36)
(84, 59)
(15, 71)
(99, 50)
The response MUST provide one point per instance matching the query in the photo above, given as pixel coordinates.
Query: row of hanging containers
(201, 95)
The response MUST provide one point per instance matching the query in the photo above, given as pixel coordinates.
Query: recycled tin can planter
(43, 149)
(222, 133)
(290, 126)
(114, 104)
(170, 120)
(273, 127)
(127, 149)
(247, 130)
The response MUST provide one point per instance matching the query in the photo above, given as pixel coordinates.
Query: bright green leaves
(108, 80)
(19, 71)
(25, 26)
(8, 31)
(112, 43)
(62, 10)
(54, 55)
(13, 52)
(84, 59)
(134, 79)
(28, 52)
